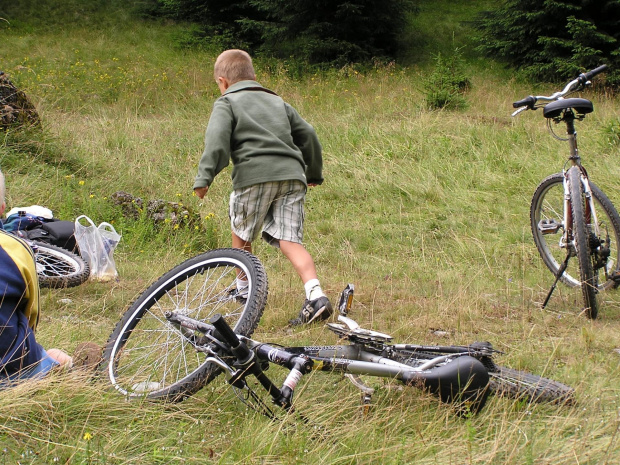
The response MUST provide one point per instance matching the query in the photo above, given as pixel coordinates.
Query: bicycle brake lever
(519, 110)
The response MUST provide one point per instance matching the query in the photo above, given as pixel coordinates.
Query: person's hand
(201, 191)
(312, 184)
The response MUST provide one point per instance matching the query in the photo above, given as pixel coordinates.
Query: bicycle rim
(146, 356)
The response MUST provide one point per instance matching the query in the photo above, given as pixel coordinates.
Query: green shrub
(447, 84)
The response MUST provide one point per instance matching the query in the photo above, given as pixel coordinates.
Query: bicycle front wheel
(147, 356)
(58, 267)
(546, 219)
(581, 238)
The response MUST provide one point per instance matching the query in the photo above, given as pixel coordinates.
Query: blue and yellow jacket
(19, 305)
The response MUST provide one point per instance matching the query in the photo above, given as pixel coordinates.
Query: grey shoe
(317, 309)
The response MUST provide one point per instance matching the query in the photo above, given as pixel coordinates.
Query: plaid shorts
(276, 207)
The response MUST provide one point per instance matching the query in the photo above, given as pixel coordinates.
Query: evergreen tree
(317, 31)
(554, 39)
(331, 31)
(220, 21)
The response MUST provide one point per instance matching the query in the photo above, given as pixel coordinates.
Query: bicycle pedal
(346, 300)
(550, 226)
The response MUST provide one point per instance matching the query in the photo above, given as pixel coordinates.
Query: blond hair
(234, 65)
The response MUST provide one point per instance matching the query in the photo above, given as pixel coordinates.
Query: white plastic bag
(97, 244)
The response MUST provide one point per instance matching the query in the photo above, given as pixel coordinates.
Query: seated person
(21, 356)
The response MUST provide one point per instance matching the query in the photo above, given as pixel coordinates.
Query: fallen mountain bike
(569, 215)
(189, 327)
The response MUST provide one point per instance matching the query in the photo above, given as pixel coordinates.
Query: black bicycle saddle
(580, 105)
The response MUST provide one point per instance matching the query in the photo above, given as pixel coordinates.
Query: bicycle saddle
(580, 105)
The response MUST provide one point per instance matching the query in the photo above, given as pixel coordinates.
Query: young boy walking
(276, 155)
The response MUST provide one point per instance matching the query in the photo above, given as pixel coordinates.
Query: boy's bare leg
(300, 258)
(239, 243)
(317, 305)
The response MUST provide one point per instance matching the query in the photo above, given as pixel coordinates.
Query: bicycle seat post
(569, 119)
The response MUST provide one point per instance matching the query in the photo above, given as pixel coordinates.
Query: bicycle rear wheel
(522, 385)
(147, 356)
(58, 267)
(503, 381)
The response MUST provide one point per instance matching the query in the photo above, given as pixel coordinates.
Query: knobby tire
(582, 242)
(522, 385)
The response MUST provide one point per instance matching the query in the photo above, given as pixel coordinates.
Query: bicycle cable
(555, 136)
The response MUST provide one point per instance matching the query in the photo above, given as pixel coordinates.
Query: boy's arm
(304, 137)
(216, 154)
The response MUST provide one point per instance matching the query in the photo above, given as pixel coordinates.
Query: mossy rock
(16, 109)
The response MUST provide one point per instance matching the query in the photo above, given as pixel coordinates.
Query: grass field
(426, 212)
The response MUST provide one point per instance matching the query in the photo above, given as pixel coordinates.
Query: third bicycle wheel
(58, 267)
(522, 385)
(582, 243)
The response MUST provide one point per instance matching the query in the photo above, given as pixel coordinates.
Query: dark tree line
(315, 31)
(554, 39)
(547, 39)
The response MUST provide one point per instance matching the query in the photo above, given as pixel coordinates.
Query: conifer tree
(332, 31)
(316, 31)
(553, 39)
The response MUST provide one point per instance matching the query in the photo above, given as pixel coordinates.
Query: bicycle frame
(453, 377)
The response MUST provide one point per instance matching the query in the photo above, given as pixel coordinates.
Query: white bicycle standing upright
(569, 215)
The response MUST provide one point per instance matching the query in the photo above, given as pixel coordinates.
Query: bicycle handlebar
(590, 74)
(528, 103)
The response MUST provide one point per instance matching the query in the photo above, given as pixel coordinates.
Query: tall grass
(425, 211)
